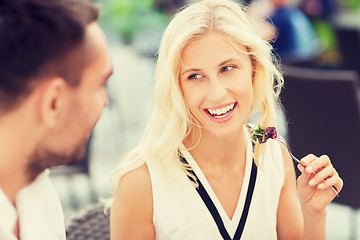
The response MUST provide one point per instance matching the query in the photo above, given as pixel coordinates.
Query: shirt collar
(8, 214)
(39, 210)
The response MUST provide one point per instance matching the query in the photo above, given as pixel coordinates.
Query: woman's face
(216, 81)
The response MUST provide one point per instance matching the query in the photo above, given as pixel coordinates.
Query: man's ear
(53, 101)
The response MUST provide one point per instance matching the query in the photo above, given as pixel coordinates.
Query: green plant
(128, 17)
(352, 4)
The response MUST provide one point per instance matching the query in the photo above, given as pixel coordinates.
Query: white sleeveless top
(181, 214)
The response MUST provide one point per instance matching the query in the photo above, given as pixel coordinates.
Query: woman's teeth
(221, 112)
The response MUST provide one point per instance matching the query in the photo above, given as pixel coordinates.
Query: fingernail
(312, 182)
(303, 161)
(321, 185)
(309, 169)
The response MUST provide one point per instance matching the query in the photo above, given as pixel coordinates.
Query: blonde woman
(195, 173)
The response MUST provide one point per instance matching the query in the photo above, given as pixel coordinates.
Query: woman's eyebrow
(191, 70)
(228, 60)
(199, 70)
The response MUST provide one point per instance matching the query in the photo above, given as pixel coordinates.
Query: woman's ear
(52, 100)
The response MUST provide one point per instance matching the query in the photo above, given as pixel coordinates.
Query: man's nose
(105, 98)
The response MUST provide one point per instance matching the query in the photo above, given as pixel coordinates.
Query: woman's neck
(219, 152)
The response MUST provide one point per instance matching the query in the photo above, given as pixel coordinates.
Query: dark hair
(36, 39)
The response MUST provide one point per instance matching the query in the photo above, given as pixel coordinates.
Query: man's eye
(227, 68)
(194, 77)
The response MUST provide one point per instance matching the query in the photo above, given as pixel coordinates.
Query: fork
(282, 140)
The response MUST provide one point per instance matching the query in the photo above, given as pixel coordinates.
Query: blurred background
(318, 45)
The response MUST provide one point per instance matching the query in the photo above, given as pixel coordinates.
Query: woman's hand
(314, 189)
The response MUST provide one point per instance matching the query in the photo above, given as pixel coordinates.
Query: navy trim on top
(249, 195)
(214, 212)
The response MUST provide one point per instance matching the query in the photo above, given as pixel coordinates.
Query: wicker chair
(90, 223)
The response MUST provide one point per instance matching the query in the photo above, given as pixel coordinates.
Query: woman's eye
(227, 68)
(194, 77)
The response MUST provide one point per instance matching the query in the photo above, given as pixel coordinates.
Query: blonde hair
(170, 120)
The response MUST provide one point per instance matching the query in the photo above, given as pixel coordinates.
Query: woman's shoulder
(133, 205)
(133, 194)
(133, 191)
(272, 156)
(135, 181)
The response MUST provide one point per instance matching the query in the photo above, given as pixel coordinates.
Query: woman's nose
(216, 90)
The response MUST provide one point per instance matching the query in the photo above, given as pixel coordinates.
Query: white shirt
(39, 210)
(181, 214)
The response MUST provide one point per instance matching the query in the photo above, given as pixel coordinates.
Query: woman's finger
(308, 159)
(322, 175)
(334, 181)
(305, 177)
(318, 164)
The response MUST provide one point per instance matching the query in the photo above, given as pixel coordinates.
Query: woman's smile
(222, 113)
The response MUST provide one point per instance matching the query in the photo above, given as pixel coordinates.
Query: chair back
(323, 114)
(90, 223)
(349, 45)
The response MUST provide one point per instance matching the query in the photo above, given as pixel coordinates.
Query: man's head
(53, 65)
(37, 37)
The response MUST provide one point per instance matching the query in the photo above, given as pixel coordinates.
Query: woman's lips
(221, 114)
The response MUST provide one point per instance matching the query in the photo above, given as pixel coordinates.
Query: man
(53, 69)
